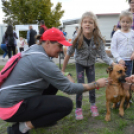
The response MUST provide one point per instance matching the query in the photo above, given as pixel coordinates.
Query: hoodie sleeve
(50, 72)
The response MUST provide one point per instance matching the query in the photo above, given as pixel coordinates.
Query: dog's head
(117, 73)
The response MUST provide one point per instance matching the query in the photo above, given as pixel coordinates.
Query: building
(105, 21)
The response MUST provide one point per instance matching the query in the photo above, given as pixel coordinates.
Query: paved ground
(56, 60)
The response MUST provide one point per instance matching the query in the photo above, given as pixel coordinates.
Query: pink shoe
(78, 114)
(94, 111)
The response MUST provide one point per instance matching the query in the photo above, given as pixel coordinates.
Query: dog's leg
(128, 97)
(114, 105)
(121, 108)
(107, 118)
(128, 102)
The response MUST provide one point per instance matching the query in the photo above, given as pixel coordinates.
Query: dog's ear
(109, 69)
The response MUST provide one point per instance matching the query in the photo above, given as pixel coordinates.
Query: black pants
(133, 68)
(10, 49)
(90, 73)
(43, 110)
(21, 49)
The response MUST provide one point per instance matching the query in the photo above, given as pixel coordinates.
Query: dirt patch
(129, 129)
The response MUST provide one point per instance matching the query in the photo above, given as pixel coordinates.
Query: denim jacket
(86, 55)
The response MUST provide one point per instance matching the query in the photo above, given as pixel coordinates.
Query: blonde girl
(122, 45)
(87, 45)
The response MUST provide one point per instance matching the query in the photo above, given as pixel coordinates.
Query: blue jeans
(4, 48)
(129, 65)
(90, 73)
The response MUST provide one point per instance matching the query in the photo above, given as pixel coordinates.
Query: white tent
(25, 28)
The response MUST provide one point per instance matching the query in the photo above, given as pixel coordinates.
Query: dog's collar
(113, 84)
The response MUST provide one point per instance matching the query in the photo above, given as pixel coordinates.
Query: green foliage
(32, 11)
(23, 34)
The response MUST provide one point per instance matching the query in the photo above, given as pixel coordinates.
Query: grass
(89, 125)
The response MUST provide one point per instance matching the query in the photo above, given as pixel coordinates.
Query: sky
(75, 8)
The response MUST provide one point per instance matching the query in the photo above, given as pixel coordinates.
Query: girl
(122, 45)
(4, 47)
(21, 44)
(87, 45)
(11, 37)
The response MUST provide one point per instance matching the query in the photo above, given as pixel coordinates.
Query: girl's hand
(132, 56)
(130, 79)
(103, 82)
(63, 72)
(122, 62)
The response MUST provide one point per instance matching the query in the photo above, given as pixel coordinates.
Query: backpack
(10, 65)
(10, 40)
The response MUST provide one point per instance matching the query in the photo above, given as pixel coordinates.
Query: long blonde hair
(96, 33)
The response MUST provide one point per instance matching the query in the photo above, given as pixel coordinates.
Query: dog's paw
(121, 113)
(107, 118)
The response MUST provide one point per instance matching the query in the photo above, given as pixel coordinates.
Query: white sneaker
(3, 59)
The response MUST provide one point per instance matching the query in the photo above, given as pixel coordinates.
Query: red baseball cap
(54, 34)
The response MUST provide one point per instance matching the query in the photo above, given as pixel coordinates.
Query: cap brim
(65, 43)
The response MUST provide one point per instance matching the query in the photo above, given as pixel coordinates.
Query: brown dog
(115, 92)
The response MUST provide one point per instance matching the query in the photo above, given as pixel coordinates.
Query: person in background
(122, 45)
(11, 43)
(31, 36)
(43, 28)
(114, 30)
(33, 103)
(4, 47)
(131, 9)
(86, 45)
(65, 33)
(76, 31)
(21, 44)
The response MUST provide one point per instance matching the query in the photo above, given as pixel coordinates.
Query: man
(75, 32)
(31, 36)
(43, 28)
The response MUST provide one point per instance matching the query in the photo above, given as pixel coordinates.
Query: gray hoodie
(86, 55)
(30, 68)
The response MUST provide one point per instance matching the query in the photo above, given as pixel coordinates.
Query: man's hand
(122, 62)
(130, 79)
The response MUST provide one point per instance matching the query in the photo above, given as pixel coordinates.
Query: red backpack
(6, 71)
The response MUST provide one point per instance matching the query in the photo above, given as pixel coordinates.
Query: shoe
(94, 111)
(15, 129)
(3, 59)
(78, 114)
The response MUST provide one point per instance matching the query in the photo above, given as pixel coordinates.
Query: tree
(31, 12)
